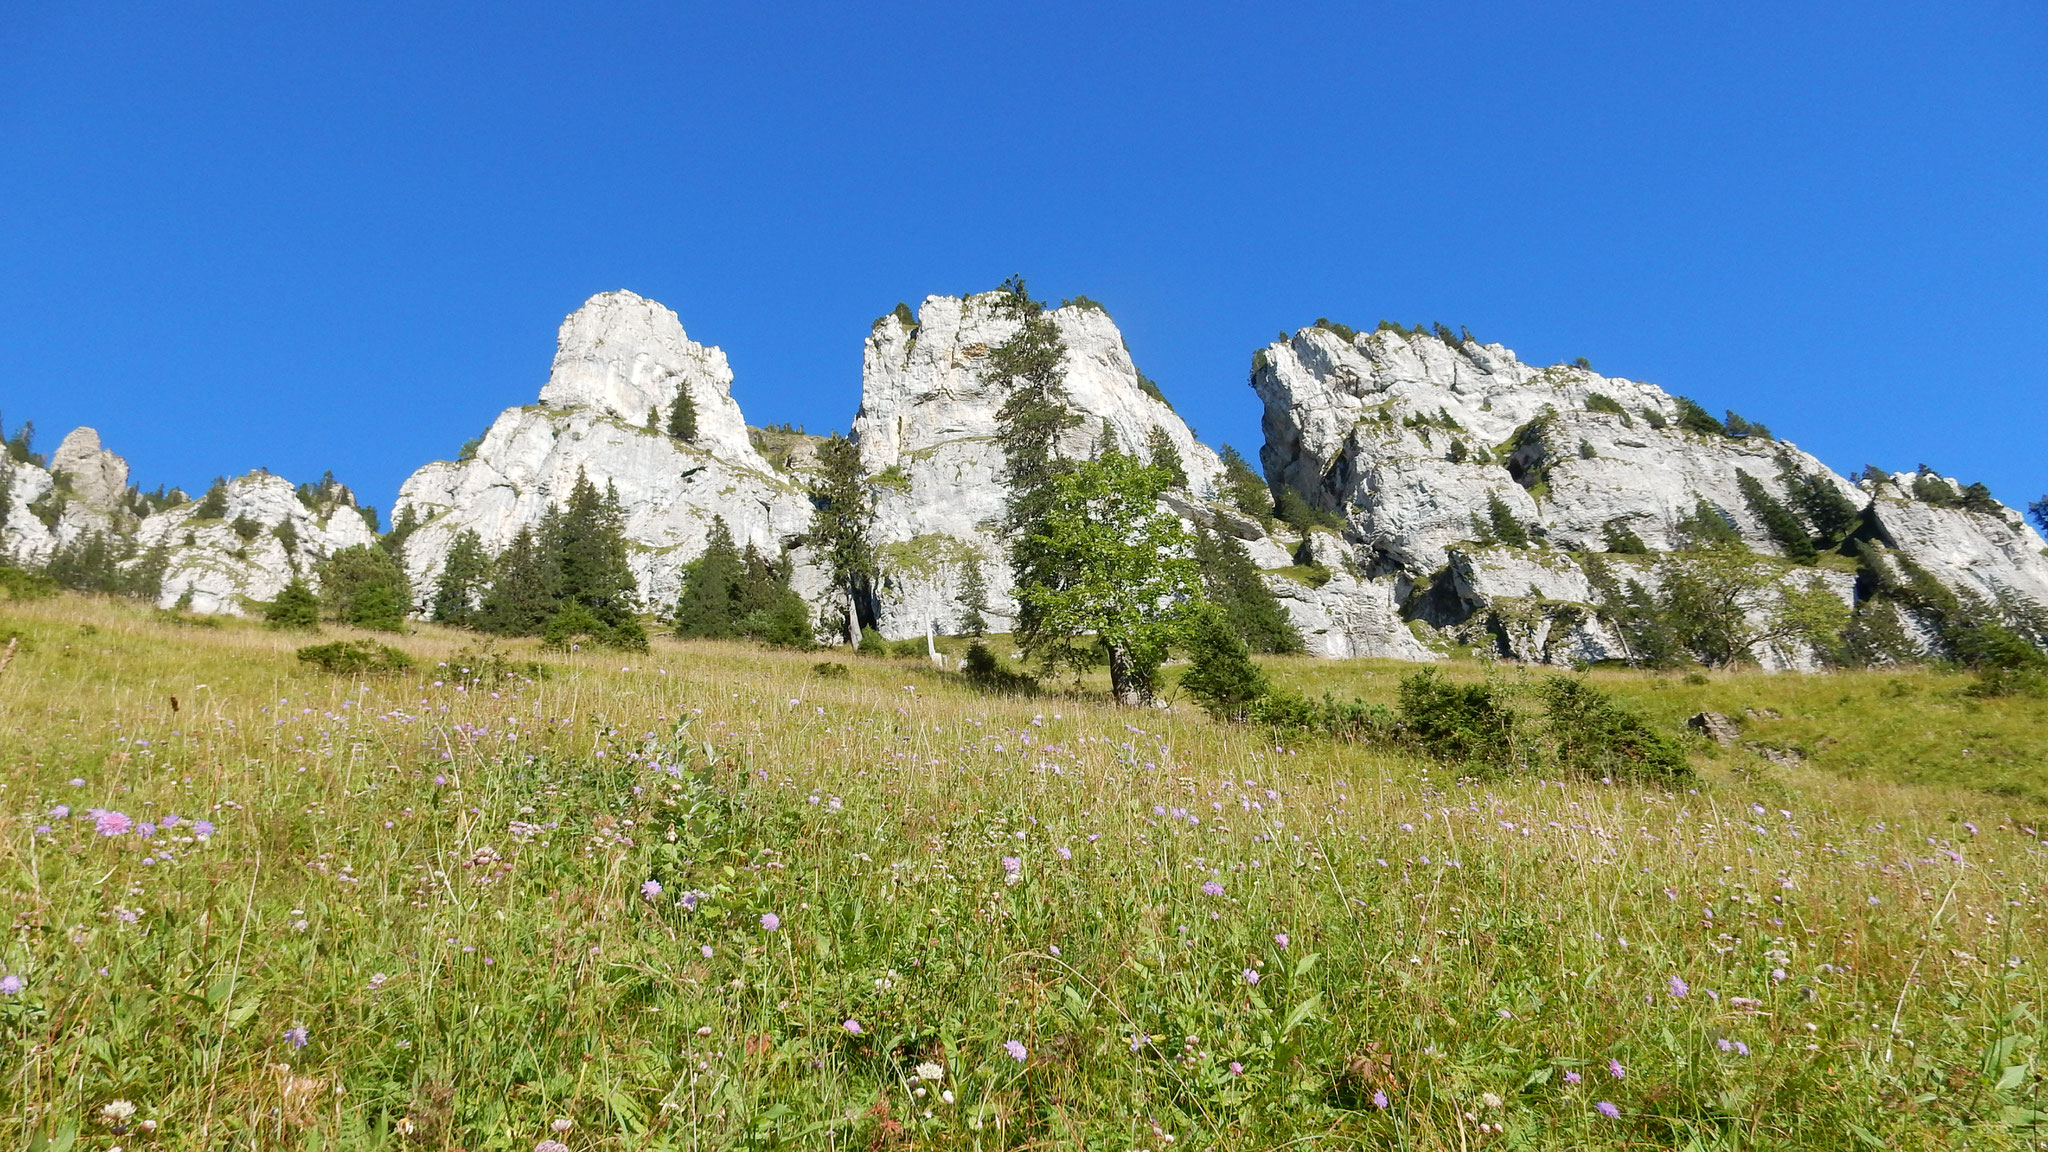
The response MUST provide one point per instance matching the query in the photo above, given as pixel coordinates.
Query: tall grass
(443, 910)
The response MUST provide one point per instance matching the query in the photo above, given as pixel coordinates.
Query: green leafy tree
(1104, 574)
(1030, 368)
(842, 520)
(464, 576)
(1777, 519)
(295, 609)
(520, 599)
(1245, 488)
(682, 418)
(364, 586)
(1232, 583)
(1161, 453)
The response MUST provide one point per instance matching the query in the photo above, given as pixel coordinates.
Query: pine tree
(841, 518)
(682, 419)
(585, 542)
(1030, 368)
(1501, 523)
(295, 609)
(704, 608)
(1832, 515)
(1693, 418)
(519, 602)
(1708, 527)
(1221, 676)
(1246, 489)
(1161, 453)
(1232, 583)
(463, 577)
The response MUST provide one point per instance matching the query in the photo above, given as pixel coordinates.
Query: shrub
(356, 658)
(1222, 677)
(1654, 418)
(295, 609)
(20, 584)
(1344, 331)
(1931, 489)
(1591, 735)
(1601, 402)
(1622, 540)
(213, 505)
(871, 643)
(985, 672)
(1501, 524)
(830, 670)
(1693, 418)
(1458, 723)
(246, 528)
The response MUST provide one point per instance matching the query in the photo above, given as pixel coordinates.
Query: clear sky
(342, 235)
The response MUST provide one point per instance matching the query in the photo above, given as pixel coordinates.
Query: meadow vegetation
(713, 895)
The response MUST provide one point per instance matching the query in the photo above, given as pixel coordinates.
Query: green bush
(1693, 418)
(295, 609)
(830, 670)
(1622, 539)
(1221, 676)
(1590, 735)
(1467, 724)
(356, 658)
(985, 672)
(21, 584)
(871, 643)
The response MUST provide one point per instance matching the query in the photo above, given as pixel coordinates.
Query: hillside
(707, 896)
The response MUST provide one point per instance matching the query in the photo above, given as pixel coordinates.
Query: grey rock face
(214, 568)
(620, 359)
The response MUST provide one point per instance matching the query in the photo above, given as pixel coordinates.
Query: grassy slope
(1444, 941)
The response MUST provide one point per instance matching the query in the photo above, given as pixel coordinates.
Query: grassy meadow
(708, 897)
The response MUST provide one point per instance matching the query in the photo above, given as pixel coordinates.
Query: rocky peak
(97, 477)
(628, 357)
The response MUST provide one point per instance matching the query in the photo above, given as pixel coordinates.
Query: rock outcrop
(268, 533)
(621, 362)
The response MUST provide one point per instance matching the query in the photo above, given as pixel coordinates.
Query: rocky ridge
(1455, 496)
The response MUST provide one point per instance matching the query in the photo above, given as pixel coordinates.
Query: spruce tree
(842, 517)
(1232, 583)
(1161, 453)
(213, 505)
(518, 603)
(682, 419)
(1832, 515)
(1501, 523)
(1221, 675)
(585, 542)
(295, 609)
(704, 608)
(1030, 369)
(462, 579)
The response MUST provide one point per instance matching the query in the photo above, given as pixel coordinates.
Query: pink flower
(1606, 1109)
(1572, 1077)
(1016, 1050)
(1251, 976)
(1280, 938)
(651, 889)
(1615, 1070)
(852, 1027)
(109, 823)
(1379, 1100)
(1236, 1069)
(770, 922)
(1212, 888)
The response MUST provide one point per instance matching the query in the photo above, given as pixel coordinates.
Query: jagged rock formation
(621, 362)
(1429, 450)
(84, 490)
(926, 430)
(268, 533)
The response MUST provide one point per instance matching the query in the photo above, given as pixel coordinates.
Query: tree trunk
(1123, 683)
(852, 617)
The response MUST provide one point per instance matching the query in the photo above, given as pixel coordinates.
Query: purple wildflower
(852, 1027)
(651, 889)
(1615, 1070)
(1016, 1050)
(551, 1146)
(440, 781)
(202, 828)
(1012, 865)
(1236, 1069)
(1571, 1077)
(1607, 1110)
(11, 985)
(1679, 988)
(1280, 938)
(297, 1036)
(770, 922)
(1379, 1099)
(1251, 976)
(60, 811)
(1212, 888)
(110, 823)
(145, 830)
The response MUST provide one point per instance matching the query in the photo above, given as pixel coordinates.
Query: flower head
(110, 823)
(852, 1027)
(930, 1072)
(1606, 1109)
(1212, 888)
(11, 985)
(1571, 1077)
(116, 1112)
(1280, 938)
(1679, 988)
(1379, 1099)
(651, 889)
(562, 1124)
(770, 922)
(1016, 1050)
(1236, 1069)
(1615, 1069)
(1251, 976)
(297, 1036)
(551, 1146)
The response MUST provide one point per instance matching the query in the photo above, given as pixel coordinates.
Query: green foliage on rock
(682, 416)
(1161, 454)
(213, 505)
(1778, 520)
(1693, 418)
(295, 609)
(1232, 583)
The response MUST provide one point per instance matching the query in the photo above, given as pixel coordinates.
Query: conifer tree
(1030, 369)
(973, 598)
(463, 577)
(519, 602)
(585, 542)
(295, 609)
(841, 518)
(1832, 515)
(1232, 583)
(213, 505)
(704, 608)
(365, 587)
(682, 419)
(1221, 676)
(1778, 520)
(1501, 523)
(1246, 488)
(1161, 453)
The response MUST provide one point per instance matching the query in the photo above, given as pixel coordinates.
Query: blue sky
(341, 236)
